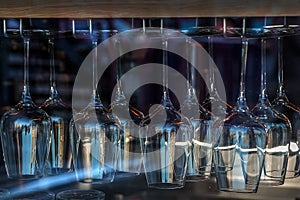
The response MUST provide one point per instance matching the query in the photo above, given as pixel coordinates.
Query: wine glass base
(167, 186)
(57, 171)
(197, 178)
(120, 175)
(270, 182)
(96, 181)
(25, 177)
(238, 190)
(291, 175)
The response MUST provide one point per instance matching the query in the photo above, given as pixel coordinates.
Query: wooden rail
(146, 8)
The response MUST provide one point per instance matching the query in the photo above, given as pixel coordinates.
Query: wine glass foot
(168, 186)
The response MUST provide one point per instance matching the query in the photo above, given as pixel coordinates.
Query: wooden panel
(150, 8)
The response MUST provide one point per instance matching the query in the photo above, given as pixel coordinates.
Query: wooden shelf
(151, 8)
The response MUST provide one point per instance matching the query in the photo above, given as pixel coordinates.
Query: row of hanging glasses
(241, 147)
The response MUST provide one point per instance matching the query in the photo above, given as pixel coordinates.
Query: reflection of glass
(94, 135)
(60, 114)
(167, 145)
(130, 155)
(278, 132)
(239, 151)
(199, 165)
(80, 194)
(292, 112)
(25, 133)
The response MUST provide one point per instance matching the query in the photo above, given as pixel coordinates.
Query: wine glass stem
(165, 68)
(119, 93)
(280, 67)
(263, 88)
(53, 90)
(189, 80)
(95, 56)
(26, 91)
(144, 26)
(211, 67)
(244, 55)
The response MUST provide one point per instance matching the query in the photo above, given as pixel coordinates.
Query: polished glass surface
(60, 158)
(278, 130)
(239, 151)
(95, 137)
(25, 133)
(221, 108)
(200, 161)
(167, 136)
(292, 112)
(130, 155)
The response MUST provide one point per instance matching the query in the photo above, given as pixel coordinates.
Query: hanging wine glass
(130, 157)
(292, 112)
(239, 151)
(25, 131)
(278, 132)
(60, 157)
(94, 136)
(200, 161)
(167, 142)
(213, 98)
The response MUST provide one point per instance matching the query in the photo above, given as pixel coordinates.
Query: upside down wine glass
(130, 155)
(278, 130)
(239, 150)
(167, 141)
(292, 112)
(25, 132)
(60, 157)
(213, 97)
(200, 160)
(94, 136)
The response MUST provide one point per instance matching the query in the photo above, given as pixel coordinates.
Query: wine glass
(213, 97)
(239, 150)
(94, 136)
(292, 112)
(60, 158)
(25, 131)
(200, 160)
(130, 155)
(167, 141)
(278, 130)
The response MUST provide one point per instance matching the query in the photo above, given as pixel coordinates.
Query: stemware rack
(72, 46)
